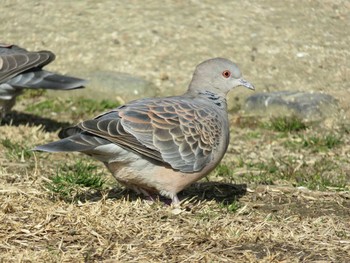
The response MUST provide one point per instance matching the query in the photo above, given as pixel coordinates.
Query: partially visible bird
(21, 69)
(162, 145)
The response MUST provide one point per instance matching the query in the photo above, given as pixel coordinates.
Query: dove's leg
(146, 194)
(140, 191)
(175, 200)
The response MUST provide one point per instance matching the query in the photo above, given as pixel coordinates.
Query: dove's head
(217, 75)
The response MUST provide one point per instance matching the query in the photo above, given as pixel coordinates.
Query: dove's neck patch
(215, 98)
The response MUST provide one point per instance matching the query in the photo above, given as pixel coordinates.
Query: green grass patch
(257, 173)
(322, 142)
(286, 124)
(253, 134)
(248, 122)
(72, 181)
(314, 142)
(49, 105)
(77, 108)
(16, 151)
(231, 207)
(222, 170)
(32, 93)
(320, 175)
(92, 106)
(207, 214)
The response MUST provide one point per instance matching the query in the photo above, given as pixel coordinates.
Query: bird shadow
(223, 193)
(19, 118)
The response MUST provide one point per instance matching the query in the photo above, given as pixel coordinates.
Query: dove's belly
(136, 172)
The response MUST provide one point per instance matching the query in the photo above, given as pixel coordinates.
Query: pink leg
(147, 195)
(175, 200)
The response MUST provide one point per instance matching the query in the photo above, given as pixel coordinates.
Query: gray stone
(310, 106)
(112, 85)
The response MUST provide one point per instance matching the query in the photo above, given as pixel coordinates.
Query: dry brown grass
(272, 226)
(277, 223)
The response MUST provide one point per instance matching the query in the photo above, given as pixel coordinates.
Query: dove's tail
(42, 79)
(77, 143)
(64, 145)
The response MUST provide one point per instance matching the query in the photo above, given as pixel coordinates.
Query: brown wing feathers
(15, 63)
(167, 132)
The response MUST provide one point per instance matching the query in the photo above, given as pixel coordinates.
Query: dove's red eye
(226, 73)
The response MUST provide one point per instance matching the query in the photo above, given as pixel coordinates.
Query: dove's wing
(175, 131)
(14, 61)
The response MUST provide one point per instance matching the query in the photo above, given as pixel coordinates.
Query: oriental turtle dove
(162, 145)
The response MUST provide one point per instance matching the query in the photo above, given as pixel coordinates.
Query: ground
(281, 193)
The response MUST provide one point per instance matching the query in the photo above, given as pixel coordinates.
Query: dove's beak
(246, 84)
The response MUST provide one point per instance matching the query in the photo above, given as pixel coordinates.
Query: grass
(32, 93)
(323, 174)
(323, 142)
(222, 170)
(61, 204)
(78, 107)
(232, 207)
(51, 105)
(319, 142)
(16, 150)
(286, 124)
(279, 182)
(72, 181)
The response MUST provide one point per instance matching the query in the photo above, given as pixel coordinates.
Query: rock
(112, 85)
(310, 106)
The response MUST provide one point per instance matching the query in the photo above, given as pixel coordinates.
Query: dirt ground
(279, 45)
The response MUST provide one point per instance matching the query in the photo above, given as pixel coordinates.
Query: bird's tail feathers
(76, 143)
(43, 79)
